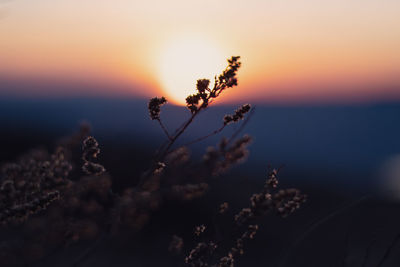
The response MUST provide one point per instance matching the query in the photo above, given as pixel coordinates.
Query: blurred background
(323, 77)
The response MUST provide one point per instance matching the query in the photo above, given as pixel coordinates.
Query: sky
(292, 51)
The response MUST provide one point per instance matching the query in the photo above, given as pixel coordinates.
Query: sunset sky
(292, 51)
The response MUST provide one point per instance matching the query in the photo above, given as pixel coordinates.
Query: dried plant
(31, 184)
(83, 206)
(89, 155)
(282, 202)
(42, 198)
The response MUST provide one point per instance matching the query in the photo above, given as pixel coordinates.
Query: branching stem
(164, 129)
(179, 133)
(246, 120)
(206, 136)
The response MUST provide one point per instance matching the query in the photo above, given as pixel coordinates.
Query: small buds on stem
(89, 156)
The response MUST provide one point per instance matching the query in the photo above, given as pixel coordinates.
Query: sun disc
(184, 61)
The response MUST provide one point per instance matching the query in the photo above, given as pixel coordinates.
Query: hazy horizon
(345, 51)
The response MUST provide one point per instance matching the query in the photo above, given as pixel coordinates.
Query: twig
(368, 251)
(318, 223)
(164, 129)
(389, 250)
(92, 248)
(164, 149)
(179, 133)
(246, 120)
(347, 242)
(206, 136)
(346, 248)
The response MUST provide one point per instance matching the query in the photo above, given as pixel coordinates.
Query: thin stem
(317, 224)
(368, 252)
(164, 149)
(216, 91)
(246, 120)
(179, 133)
(346, 248)
(389, 250)
(206, 136)
(220, 130)
(90, 250)
(164, 129)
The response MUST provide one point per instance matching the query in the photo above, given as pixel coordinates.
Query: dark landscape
(335, 154)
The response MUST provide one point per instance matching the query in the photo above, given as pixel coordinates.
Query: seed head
(154, 107)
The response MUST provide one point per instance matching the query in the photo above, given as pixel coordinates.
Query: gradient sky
(292, 51)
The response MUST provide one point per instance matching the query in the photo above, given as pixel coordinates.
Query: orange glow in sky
(185, 59)
(291, 50)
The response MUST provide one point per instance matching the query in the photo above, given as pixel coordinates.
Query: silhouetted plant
(68, 205)
(31, 184)
(89, 155)
(282, 202)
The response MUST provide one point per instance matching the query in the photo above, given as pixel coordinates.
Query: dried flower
(284, 202)
(227, 261)
(219, 160)
(19, 213)
(87, 206)
(228, 77)
(154, 107)
(200, 254)
(204, 94)
(198, 230)
(272, 181)
(202, 85)
(189, 191)
(159, 168)
(243, 216)
(287, 201)
(250, 232)
(179, 156)
(90, 152)
(239, 114)
(30, 185)
(223, 207)
(192, 101)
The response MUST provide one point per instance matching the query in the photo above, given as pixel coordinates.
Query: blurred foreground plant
(68, 206)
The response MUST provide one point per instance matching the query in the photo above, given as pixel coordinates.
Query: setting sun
(183, 61)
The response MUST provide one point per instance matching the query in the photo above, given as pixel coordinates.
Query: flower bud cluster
(200, 255)
(198, 230)
(284, 202)
(223, 207)
(205, 94)
(239, 114)
(189, 191)
(154, 107)
(90, 152)
(19, 213)
(31, 184)
(221, 158)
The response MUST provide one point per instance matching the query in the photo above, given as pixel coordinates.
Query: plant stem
(246, 120)
(179, 133)
(317, 224)
(206, 136)
(164, 129)
(389, 250)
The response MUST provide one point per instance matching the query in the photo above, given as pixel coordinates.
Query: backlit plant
(57, 205)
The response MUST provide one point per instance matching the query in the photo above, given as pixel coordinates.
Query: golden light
(185, 60)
